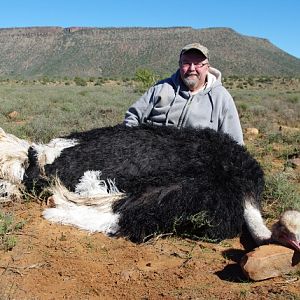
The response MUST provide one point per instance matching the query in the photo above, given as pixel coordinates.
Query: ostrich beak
(294, 244)
(287, 230)
(291, 241)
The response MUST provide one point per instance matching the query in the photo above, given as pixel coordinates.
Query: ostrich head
(287, 230)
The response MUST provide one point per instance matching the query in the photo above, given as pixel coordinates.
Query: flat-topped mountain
(119, 52)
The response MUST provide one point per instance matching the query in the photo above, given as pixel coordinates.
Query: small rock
(13, 115)
(129, 275)
(251, 131)
(270, 261)
(288, 130)
(295, 162)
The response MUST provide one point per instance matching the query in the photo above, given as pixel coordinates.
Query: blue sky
(277, 21)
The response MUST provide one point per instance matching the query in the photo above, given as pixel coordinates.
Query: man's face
(193, 69)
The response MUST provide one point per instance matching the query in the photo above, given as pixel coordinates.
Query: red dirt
(53, 261)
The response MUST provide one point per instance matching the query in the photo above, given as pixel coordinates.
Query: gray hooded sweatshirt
(170, 103)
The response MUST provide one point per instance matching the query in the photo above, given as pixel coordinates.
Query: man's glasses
(187, 65)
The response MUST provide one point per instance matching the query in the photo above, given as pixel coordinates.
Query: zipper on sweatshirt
(171, 105)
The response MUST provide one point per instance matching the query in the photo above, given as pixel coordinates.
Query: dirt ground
(52, 261)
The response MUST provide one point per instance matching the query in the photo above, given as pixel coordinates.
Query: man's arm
(140, 109)
(231, 122)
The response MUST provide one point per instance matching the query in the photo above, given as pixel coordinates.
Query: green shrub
(80, 81)
(293, 99)
(45, 80)
(7, 229)
(250, 81)
(267, 80)
(146, 78)
(281, 192)
(243, 106)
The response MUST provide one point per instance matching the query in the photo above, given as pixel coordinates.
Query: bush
(45, 80)
(80, 81)
(279, 190)
(7, 228)
(293, 99)
(146, 78)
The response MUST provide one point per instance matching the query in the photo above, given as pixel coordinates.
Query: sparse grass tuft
(293, 99)
(7, 229)
(80, 81)
(281, 193)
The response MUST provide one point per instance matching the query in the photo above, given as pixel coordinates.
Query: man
(192, 97)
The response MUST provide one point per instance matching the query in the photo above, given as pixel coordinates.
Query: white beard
(190, 83)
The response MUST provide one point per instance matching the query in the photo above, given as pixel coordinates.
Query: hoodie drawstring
(212, 106)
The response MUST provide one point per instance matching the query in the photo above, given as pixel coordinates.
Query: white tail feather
(90, 184)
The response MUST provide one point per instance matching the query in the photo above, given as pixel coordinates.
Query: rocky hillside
(119, 52)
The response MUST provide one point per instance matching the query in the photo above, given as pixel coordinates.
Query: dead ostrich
(137, 182)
